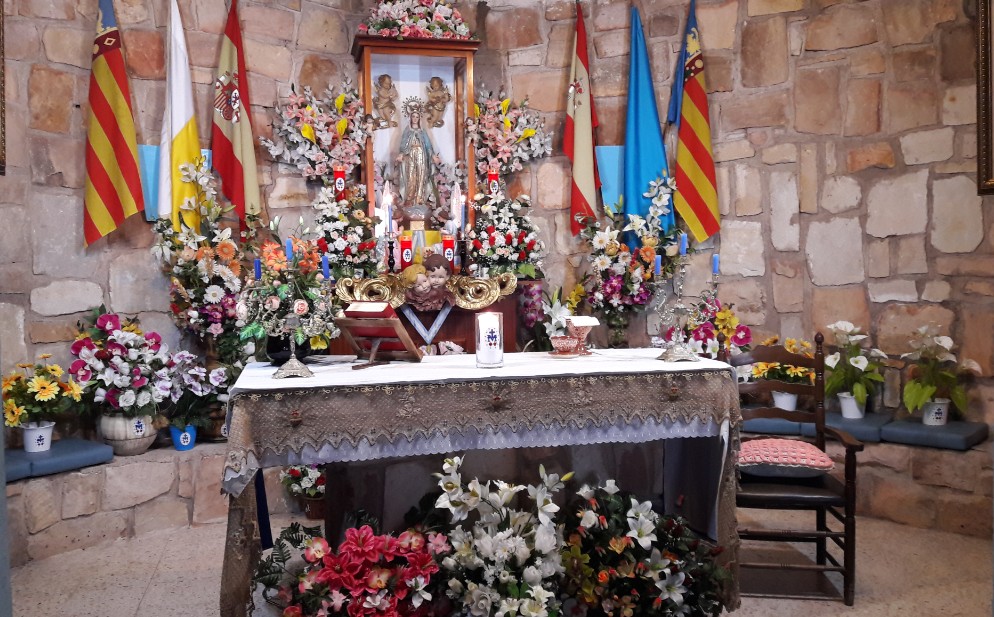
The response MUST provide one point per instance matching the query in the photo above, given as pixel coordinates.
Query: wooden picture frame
(378, 340)
(985, 92)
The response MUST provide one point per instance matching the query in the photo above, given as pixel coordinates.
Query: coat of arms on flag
(227, 100)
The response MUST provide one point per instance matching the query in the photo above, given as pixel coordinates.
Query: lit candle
(489, 340)
(387, 205)
(406, 251)
(258, 269)
(325, 270)
(455, 209)
(659, 265)
(465, 215)
(449, 249)
(339, 176)
(714, 264)
(683, 244)
(289, 250)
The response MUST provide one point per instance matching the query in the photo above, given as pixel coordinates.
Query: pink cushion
(783, 457)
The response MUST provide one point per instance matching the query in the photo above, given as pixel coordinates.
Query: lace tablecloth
(446, 404)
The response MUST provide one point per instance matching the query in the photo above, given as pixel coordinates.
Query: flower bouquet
(508, 560)
(710, 319)
(204, 266)
(194, 391)
(314, 134)
(936, 378)
(506, 135)
(287, 299)
(35, 398)
(367, 575)
(347, 235)
(622, 558)
(504, 238)
(416, 19)
(854, 373)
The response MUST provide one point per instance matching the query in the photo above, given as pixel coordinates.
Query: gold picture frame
(985, 92)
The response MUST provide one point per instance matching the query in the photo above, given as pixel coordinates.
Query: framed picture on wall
(985, 92)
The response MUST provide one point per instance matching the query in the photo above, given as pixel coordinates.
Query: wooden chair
(824, 495)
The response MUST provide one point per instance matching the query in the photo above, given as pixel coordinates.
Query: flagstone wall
(844, 135)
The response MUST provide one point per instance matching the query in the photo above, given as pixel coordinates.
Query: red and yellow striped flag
(696, 197)
(113, 184)
(234, 148)
(578, 140)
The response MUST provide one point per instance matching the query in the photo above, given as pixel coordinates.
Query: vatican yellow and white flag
(179, 142)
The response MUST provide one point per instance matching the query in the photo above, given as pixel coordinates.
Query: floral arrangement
(314, 134)
(416, 19)
(303, 480)
(853, 368)
(504, 238)
(506, 135)
(194, 390)
(205, 268)
(368, 575)
(40, 393)
(935, 372)
(623, 558)
(347, 234)
(125, 370)
(508, 561)
(619, 281)
(288, 299)
(787, 373)
(557, 309)
(649, 230)
(710, 319)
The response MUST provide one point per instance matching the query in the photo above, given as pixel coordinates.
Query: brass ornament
(471, 293)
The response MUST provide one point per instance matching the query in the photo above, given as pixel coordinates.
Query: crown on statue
(412, 105)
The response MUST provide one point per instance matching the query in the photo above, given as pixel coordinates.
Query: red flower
(522, 256)
(320, 480)
(491, 229)
(295, 473)
(323, 245)
(347, 251)
(338, 571)
(362, 544)
(521, 235)
(477, 244)
(509, 238)
(293, 611)
(530, 245)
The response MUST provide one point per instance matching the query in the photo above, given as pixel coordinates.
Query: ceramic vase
(617, 329)
(183, 439)
(785, 400)
(37, 436)
(934, 413)
(128, 436)
(851, 409)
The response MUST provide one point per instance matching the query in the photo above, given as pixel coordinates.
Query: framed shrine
(418, 93)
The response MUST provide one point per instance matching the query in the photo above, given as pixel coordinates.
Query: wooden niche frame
(370, 51)
(985, 96)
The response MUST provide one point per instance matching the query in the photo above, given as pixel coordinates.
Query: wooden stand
(368, 335)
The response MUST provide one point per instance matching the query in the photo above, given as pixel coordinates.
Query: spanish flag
(578, 141)
(179, 142)
(696, 196)
(232, 143)
(113, 184)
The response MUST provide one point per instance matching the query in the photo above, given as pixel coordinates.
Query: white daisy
(213, 294)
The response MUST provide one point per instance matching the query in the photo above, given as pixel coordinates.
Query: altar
(445, 404)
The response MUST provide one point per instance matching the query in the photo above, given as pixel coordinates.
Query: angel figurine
(438, 98)
(385, 100)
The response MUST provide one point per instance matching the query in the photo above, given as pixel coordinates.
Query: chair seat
(790, 493)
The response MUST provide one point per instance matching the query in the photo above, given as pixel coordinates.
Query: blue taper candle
(714, 264)
(659, 265)
(289, 250)
(258, 269)
(683, 244)
(325, 270)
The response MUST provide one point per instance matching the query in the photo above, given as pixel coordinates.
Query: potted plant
(787, 373)
(936, 378)
(126, 373)
(307, 484)
(854, 374)
(193, 393)
(32, 400)
(288, 298)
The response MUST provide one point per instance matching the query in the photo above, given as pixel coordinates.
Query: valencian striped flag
(178, 143)
(234, 149)
(696, 197)
(113, 184)
(578, 141)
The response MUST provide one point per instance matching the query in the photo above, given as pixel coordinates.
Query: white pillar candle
(489, 340)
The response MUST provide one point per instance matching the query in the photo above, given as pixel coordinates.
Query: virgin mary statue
(417, 158)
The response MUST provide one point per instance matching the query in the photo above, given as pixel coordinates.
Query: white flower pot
(37, 436)
(934, 413)
(128, 436)
(785, 400)
(851, 409)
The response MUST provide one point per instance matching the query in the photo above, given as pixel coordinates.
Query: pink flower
(81, 344)
(316, 549)
(405, 30)
(742, 336)
(410, 541)
(361, 543)
(272, 303)
(154, 340)
(363, 28)
(438, 543)
(216, 329)
(300, 306)
(80, 371)
(108, 322)
(704, 332)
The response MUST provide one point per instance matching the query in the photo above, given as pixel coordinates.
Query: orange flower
(226, 250)
(647, 254)
(236, 268)
(205, 252)
(273, 256)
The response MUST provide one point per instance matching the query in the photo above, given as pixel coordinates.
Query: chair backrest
(814, 391)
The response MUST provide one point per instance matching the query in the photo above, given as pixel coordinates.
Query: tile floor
(902, 571)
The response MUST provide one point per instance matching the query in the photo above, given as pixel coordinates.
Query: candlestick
(325, 270)
(289, 250)
(489, 340)
(258, 269)
(683, 244)
(658, 266)
(390, 258)
(714, 264)
(463, 262)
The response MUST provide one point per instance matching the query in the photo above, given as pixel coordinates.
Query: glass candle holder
(489, 340)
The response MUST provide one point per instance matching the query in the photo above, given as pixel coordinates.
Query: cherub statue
(438, 97)
(428, 290)
(385, 100)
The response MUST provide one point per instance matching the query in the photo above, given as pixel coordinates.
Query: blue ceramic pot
(183, 439)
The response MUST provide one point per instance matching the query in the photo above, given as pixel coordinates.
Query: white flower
(213, 294)
(643, 531)
(602, 262)
(671, 588)
(600, 240)
(589, 519)
(859, 362)
(970, 366)
(126, 399)
(945, 342)
(832, 360)
(610, 487)
(585, 491)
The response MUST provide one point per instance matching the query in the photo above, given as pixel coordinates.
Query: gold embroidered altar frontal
(414, 411)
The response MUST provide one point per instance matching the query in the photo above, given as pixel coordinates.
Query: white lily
(832, 360)
(859, 362)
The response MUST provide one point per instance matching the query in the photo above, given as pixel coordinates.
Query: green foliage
(273, 568)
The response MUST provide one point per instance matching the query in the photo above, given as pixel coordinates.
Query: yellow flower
(339, 102)
(319, 342)
(45, 356)
(341, 125)
(10, 380)
(133, 328)
(504, 105)
(72, 390)
(797, 371)
(525, 134)
(37, 383)
(574, 297)
(48, 391)
(12, 413)
(54, 370)
(307, 132)
(24, 365)
(770, 341)
(726, 320)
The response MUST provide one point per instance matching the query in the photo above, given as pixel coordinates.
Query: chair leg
(849, 559)
(820, 544)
